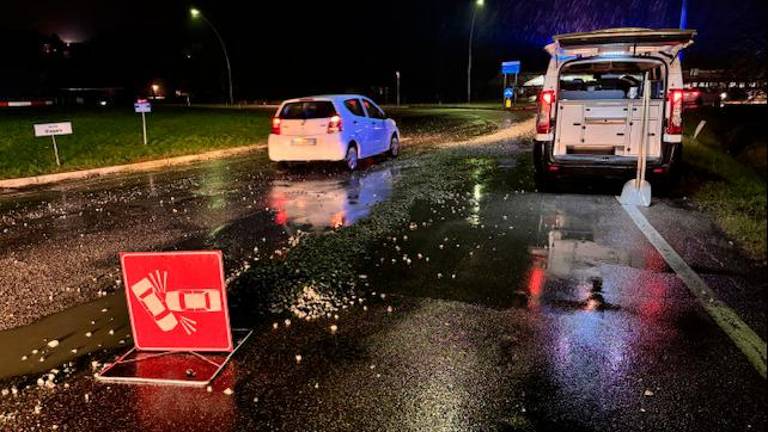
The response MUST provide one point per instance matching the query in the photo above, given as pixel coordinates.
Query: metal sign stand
(124, 370)
(514, 101)
(142, 106)
(504, 89)
(144, 126)
(56, 150)
(51, 130)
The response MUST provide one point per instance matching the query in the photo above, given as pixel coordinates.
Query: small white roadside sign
(51, 130)
(142, 107)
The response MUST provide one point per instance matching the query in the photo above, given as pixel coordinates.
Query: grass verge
(725, 178)
(113, 136)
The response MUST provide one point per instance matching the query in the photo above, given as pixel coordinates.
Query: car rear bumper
(283, 148)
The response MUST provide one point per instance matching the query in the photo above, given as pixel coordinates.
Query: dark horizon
(281, 50)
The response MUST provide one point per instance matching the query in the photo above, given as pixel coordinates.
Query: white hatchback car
(331, 128)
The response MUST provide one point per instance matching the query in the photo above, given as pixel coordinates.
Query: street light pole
(195, 13)
(683, 22)
(478, 4)
(397, 75)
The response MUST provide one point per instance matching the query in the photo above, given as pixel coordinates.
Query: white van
(589, 118)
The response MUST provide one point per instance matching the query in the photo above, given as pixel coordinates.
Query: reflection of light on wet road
(329, 203)
(213, 183)
(189, 409)
(570, 256)
(474, 211)
(588, 346)
(536, 281)
(653, 298)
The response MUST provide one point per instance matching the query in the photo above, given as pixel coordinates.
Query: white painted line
(744, 337)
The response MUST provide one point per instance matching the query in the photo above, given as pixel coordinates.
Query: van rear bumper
(602, 166)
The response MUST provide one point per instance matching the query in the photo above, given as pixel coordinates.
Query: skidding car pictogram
(147, 295)
(163, 305)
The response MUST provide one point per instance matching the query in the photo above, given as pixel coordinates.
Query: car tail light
(543, 118)
(276, 125)
(675, 123)
(334, 124)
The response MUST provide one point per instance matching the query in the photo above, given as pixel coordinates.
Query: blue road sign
(510, 67)
(509, 92)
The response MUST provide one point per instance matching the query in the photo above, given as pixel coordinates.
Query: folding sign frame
(181, 368)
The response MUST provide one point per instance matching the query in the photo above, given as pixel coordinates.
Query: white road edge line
(753, 347)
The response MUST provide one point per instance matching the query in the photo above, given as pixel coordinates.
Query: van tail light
(334, 124)
(544, 116)
(276, 125)
(675, 121)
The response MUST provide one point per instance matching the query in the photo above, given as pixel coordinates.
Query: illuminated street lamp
(195, 14)
(155, 89)
(478, 4)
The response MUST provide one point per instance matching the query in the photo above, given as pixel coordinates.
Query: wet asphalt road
(59, 247)
(497, 310)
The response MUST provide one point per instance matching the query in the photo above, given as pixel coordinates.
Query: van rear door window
(610, 80)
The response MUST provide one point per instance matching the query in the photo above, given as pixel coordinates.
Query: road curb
(127, 168)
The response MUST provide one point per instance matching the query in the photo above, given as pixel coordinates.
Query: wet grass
(726, 174)
(113, 136)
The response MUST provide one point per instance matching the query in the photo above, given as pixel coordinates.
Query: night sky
(283, 48)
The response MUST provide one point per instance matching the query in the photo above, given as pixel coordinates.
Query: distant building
(91, 96)
(720, 79)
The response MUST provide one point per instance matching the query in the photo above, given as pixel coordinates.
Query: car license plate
(304, 141)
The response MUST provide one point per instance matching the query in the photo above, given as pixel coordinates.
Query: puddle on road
(317, 205)
(62, 337)
(508, 248)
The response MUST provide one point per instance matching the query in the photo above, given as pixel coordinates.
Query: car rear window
(307, 110)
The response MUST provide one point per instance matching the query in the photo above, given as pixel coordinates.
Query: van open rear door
(592, 114)
(597, 77)
(631, 41)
